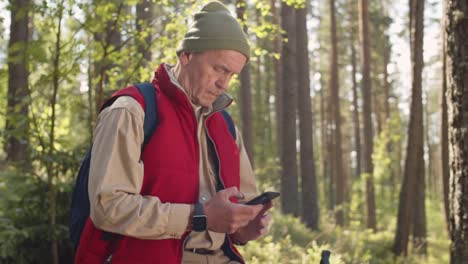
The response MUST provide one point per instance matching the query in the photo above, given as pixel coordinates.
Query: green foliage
(386, 159)
(88, 59)
(25, 234)
(289, 241)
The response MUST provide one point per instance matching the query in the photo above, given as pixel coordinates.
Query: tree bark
(144, 12)
(310, 210)
(389, 146)
(357, 125)
(335, 95)
(245, 94)
(110, 42)
(277, 47)
(324, 140)
(412, 188)
(444, 148)
(51, 172)
(457, 100)
(289, 179)
(419, 227)
(368, 168)
(17, 121)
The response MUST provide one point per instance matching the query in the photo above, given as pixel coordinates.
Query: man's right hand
(223, 216)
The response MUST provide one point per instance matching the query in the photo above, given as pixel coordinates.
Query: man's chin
(207, 103)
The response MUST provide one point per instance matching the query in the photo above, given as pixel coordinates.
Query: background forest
(343, 109)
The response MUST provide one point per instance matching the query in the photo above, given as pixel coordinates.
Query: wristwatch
(199, 218)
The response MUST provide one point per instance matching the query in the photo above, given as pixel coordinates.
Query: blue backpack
(80, 208)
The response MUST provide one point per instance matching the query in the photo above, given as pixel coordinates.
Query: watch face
(199, 223)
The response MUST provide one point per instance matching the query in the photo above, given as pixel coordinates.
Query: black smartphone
(263, 198)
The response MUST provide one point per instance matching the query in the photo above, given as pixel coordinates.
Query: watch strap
(199, 218)
(198, 210)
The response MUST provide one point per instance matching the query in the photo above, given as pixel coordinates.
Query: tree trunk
(457, 100)
(17, 121)
(324, 143)
(412, 189)
(368, 167)
(330, 153)
(310, 210)
(277, 47)
(357, 125)
(444, 148)
(335, 95)
(270, 115)
(429, 171)
(389, 146)
(245, 95)
(144, 13)
(289, 183)
(51, 172)
(110, 42)
(419, 228)
(377, 111)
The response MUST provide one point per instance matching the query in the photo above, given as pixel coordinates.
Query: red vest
(171, 172)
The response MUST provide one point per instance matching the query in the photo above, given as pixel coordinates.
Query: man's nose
(222, 83)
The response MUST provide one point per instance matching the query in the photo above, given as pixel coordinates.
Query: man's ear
(184, 58)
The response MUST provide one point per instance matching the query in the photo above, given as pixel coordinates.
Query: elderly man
(179, 200)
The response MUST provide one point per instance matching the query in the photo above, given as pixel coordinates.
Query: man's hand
(255, 228)
(223, 216)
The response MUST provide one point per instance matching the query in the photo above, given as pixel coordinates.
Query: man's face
(206, 75)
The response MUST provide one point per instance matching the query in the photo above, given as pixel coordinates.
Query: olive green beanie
(214, 28)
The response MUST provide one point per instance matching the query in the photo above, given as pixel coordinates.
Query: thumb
(231, 192)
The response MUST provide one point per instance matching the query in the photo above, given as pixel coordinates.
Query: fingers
(265, 220)
(267, 207)
(245, 212)
(231, 192)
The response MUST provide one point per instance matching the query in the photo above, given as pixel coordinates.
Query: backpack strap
(230, 124)
(151, 114)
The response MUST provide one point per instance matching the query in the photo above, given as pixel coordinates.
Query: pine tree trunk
(245, 95)
(270, 129)
(457, 100)
(109, 40)
(444, 148)
(378, 118)
(335, 94)
(357, 125)
(324, 143)
(389, 146)
(289, 178)
(277, 47)
(17, 122)
(310, 210)
(368, 168)
(419, 228)
(330, 153)
(51, 171)
(144, 13)
(412, 189)
(429, 172)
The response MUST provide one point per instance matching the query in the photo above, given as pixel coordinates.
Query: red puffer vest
(171, 172)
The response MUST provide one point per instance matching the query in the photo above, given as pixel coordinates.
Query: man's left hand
(255, 228)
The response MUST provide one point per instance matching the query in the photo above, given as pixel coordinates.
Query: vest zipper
(222, 182)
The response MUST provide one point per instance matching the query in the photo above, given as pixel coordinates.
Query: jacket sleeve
(116, 178)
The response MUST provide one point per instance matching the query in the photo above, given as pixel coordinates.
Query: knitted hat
(214, 28)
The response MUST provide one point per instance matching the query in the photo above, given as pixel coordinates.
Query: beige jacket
(116, 177)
